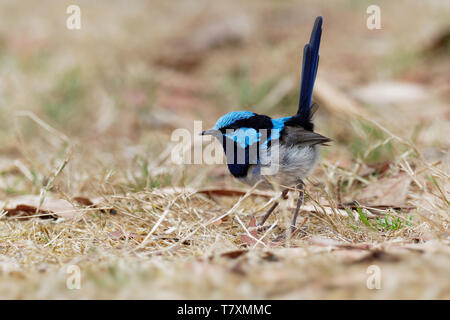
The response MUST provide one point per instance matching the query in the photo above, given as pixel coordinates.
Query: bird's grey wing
(301, 137)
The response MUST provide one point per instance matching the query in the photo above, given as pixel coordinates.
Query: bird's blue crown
(245, 128)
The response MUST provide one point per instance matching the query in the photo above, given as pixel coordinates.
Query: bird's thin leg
(269, 212)
(299, 204)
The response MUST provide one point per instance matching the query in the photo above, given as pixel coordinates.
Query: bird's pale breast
(294, 164)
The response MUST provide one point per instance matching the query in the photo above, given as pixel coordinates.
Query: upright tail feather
(309, 71)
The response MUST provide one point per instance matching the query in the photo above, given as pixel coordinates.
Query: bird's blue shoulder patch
(278, 126)
(244, 136)
(231, 117)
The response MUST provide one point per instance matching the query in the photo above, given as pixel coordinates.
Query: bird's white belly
(293, 165)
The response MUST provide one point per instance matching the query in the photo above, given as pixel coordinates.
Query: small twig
(267, 232)
(293, 233)
(339, 189)
(161, 218)
(248, 232)
(51, 180)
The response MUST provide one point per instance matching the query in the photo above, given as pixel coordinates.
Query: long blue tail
(309, 71)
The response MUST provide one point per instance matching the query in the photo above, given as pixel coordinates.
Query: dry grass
(90, 113)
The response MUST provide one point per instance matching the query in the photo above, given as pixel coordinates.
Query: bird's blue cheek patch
(279, 123)
(244, 136)
(232, 117)
(278, 126)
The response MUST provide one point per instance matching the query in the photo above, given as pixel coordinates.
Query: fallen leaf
(120, 235)
(379, 168)
(29, 206)
(233, 254)
(440, 43)
(376, 255)
(387, 93)
(252, 230)
(99, 203)
(8, 166)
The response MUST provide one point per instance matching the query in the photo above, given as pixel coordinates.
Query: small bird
(272, 152)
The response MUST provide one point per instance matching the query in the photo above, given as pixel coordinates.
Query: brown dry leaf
(216, 192)
(120, 235)
(380, 168)
(187, 61)
(390, 191)
(233, 254)
(188, 50)
(235, 193)
(325, 209)
(84, 201)
(51, 207)
(252, 230)
(283, 238)
(28, 206)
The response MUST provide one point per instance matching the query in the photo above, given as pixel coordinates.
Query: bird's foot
(272, 208)
(290, 233)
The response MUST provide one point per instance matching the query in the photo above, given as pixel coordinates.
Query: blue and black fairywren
(254, 142)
